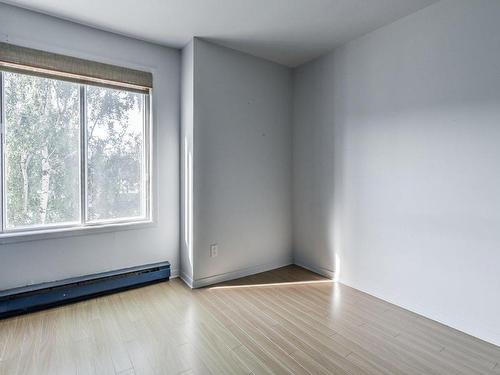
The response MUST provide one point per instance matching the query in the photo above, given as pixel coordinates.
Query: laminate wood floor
(279, 322)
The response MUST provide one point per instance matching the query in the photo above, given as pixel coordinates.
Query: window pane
(42, 144)
(115, 170)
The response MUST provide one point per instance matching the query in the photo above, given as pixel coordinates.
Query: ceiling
(289, 32)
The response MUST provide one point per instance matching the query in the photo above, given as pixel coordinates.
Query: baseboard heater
(38, 297)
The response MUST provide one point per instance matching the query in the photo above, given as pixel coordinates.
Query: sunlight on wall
(188, 199)
(336, 268)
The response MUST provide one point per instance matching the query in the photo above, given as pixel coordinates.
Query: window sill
(45, 234)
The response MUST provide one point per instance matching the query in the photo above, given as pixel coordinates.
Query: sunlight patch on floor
(273, 284)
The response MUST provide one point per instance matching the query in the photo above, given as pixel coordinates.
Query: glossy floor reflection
(287, 321)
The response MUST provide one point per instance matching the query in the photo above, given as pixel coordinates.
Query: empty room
(255, 187)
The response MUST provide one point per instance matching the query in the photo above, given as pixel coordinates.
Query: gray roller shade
(46, 64)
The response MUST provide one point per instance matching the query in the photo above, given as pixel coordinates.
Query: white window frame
(83, 226)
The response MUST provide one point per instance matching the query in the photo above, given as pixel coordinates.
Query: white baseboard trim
(187, 279)
(316, 269)
(174, 273)
(483, 332)
(199, 283)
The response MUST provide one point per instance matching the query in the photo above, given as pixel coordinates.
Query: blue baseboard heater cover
(42, 296)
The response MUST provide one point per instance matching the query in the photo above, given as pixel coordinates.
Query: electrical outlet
(214, 249)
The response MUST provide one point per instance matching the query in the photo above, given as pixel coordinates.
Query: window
(73, 155)
(115, 149)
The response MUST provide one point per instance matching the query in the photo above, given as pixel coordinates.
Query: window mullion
(83, 154)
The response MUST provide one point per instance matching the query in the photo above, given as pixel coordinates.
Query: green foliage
(115, 153)
(43, 151)
(42, 147)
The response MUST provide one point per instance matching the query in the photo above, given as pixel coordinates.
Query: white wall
(186, 144)
(396, 164)
(242, 163)
(48, 260)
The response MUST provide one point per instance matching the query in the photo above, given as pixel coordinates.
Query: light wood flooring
(286, 321)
